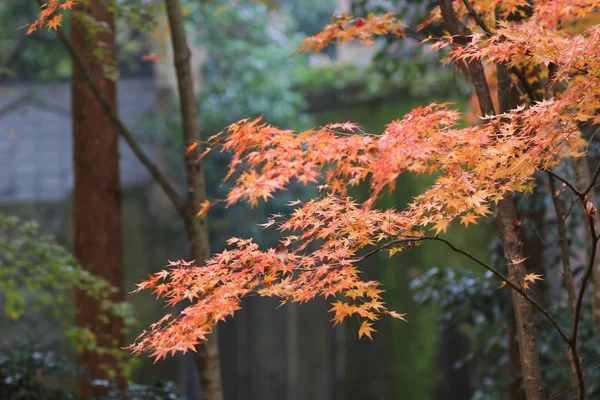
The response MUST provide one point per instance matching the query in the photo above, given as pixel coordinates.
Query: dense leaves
(329, 235)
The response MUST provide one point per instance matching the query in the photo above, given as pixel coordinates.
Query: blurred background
(454, 346)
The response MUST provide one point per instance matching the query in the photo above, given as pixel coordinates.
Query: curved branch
(592, 182)
(488, 267)
(567, 183)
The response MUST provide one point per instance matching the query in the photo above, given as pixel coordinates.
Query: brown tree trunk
(207, 354)
(97, 197)
(505, 216)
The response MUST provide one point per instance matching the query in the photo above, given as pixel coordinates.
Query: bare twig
(592, 182)
(566, 183)
(504, 278)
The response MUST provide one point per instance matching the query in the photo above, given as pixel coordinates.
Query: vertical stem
(581, 169)
(207, 354)
(567, 274)
(504, 216)
(564, 245)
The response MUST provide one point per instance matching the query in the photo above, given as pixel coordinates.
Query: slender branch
(564, 245)
(592, 182)
(586, 278)
(390, 244)
(488, 267)
(477, 18)
(489, 32)
(567, 275)
(567, 183)
(156, 174)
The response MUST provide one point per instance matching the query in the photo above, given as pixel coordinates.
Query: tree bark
(97, 196)
(207, 354)
(505, 216)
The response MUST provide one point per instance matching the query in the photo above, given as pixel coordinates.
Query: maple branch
(567, 183)
(489, 33)
(575, 375)
(156, 174)
(592, 182)
(580, 194)
(564, 245)
(499, 274)
(586, 278)
(477, 18)
(493, 270)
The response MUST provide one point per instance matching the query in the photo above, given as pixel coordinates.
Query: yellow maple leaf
(204, 208)
(470, 218)
(531, 278)
(68, 4)
(441, 226)
(55, 22)
(366, 329)
(397, 315)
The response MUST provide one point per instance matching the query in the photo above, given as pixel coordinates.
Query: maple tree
(551, 69)
(476, 167)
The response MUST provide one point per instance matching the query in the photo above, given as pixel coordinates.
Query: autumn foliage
(325, 238)
(50, 15)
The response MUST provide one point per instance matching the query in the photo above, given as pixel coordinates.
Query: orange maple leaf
(152, 57)
(54, 22)
(191, 148)
(366, 329)
(67, 5)
(204, 209)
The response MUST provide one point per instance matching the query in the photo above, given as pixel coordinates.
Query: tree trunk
(505, 216)
(207, 355)
(583, 178)
(97, 197)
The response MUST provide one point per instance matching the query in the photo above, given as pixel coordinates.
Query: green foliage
(37, 273)
(28, 64)
(474, 307)
(38, 276)
(250, 71)
(28, 373)
(132, 17)
(24, 370)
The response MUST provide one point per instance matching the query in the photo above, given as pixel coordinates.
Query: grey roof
(35, 139)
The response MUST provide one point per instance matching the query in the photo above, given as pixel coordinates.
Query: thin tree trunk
(583, 178)
(97, 197)
(505, 216)
(207, 355)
